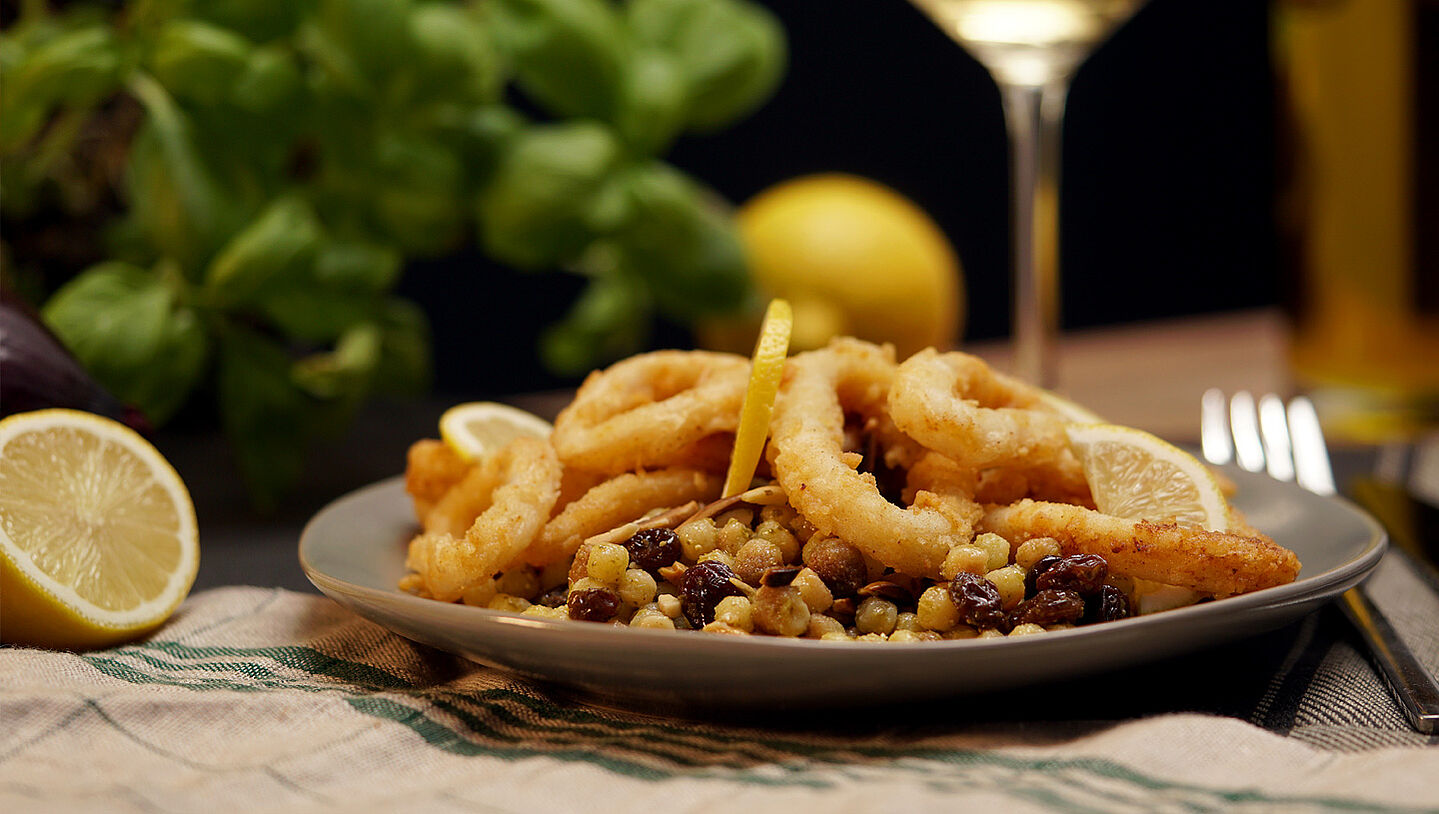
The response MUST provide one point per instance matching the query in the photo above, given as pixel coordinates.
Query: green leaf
(344, 372)
(280, 241)
(404, 366)
(374, 34)
(455, 58)
(127, 327)
(198, 61)
(568, 55)
(682, 244)
(732, 52)
(538, 209)
(610, 320)
(270, 83)
(76, 68)
(652, 110)
(266, 416)
(342, 288)
(256, 20)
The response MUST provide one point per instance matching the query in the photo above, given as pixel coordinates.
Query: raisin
(593, 604)
(1050, 606)
(704, 586)
(839, 564)
(1109, 605)
(652, 549)
(1040, 566)
(1082, 573)
(978, 601)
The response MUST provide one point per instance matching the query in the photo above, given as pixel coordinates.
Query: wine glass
(1031, 49)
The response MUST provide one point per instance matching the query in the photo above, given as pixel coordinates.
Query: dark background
(1167, 189)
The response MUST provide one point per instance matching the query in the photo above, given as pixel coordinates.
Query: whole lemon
(853, 257)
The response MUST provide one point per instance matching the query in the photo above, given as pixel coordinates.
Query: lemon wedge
(480, 428)
(98, 540)
(1137, 476)
(766, 369)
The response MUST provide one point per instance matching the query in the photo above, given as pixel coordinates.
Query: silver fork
(1286, 441)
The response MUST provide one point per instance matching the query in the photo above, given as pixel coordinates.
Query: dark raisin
(704, 586)
(1040, 566)
(1050, 606)
(1109, 605)
(779, 576)
(977, 600)
(839, 564)
(1081, 573)
(652, 549)
(593, 604)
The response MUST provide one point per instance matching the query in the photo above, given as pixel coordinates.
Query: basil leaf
(568, 55)
(732, 52)
(538, 209)
(610, 320)
(456, 59)
(320, 301)
(127, 327)
(373, 34)
(416, 200)
(76, 67)
(682, 244)
(270, 84)
(653, 106)
(198, 61)
(280, 241)
(344, 372)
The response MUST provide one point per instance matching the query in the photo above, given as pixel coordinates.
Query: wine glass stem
(1033, 114)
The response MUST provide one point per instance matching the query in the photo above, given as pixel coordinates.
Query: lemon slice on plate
(480, 428)
(766, 369)
(1137, 476)
(98, 540)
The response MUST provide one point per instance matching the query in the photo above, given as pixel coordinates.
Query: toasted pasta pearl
(875, 615)
(995, 548)
(719, 555)
(637, 587)
(732, 535)
(587, 584)
(1010, 582)
(755, 557)
(669, 605)
(508, 602)
(1031, 551)
(936, 610)
(966, 558)
(816, 594)
(735, 611)
(607, 563)
(1026, 629)
(652, 620)
(960, 632)
(520, 582)
(990, 634)
(781, 537)
(821, 626)
(697, 538)
(547, 613)
(905, 636)
(906, 621)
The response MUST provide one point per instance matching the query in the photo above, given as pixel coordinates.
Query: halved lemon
(98, 541)
(1137, 476)
(480, 428)
(766, 369)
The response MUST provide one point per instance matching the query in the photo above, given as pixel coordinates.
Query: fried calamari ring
(432, 468)
(517, 487)
(809, 461)
(955, 404)
(651, 410)
(1221, 563)
(618, 501)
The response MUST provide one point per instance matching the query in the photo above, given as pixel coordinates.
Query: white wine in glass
(1031, 49)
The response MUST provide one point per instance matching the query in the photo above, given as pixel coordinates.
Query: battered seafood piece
(1216, 562)
(516, 489)
(809, 461)
(432, 469)
(616, 502)
(955, 404)
(653, 410)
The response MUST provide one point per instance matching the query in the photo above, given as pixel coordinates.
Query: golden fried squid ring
(618, 501)
(651, 410)
(517, 488)
(956, 405)
(432, 468)
(806, 445)
(1221, 563)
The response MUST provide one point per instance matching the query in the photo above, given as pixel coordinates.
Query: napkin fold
(272, 700)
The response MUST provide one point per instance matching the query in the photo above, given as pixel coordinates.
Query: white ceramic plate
(353, 551)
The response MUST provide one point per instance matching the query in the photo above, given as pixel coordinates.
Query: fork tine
(1244, 425)
(1214, 428)
(1311, 455)
(1274, 430)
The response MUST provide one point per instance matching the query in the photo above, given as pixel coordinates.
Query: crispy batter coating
(651, 411)
(809, 461)
(432, 468)
(1221, 563)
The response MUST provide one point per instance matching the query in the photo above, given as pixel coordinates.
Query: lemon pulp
(765, 372)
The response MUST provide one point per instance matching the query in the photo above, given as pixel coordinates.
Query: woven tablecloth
(269, 700)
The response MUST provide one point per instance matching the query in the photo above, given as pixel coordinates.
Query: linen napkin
(271, 700)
